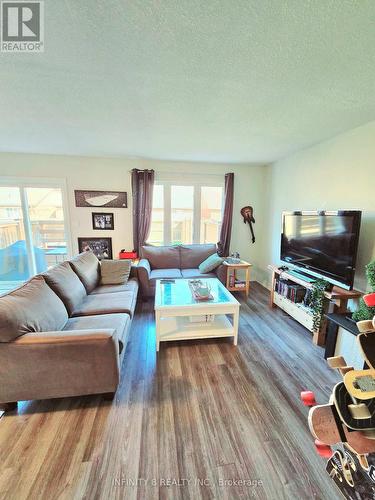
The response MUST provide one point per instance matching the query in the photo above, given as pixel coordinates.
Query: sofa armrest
(133, 271)
(65, 337)
(144, 268)
(59, 364)
(144, 272)
(221, 273)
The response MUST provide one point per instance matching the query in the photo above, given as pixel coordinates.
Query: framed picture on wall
(110, 199)
(101, 220)
(102, 247)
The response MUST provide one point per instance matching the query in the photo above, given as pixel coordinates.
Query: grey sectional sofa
(63, 333)
(178, 261)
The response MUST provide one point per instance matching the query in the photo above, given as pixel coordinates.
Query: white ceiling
(228, 81)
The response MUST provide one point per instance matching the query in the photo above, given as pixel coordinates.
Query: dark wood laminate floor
(203, 414)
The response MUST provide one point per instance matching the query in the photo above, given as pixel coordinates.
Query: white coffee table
(174, 305)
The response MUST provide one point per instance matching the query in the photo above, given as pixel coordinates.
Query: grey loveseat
(63, 333)
(175, 261)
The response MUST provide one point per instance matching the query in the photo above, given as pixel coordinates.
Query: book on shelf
(290, 290)
(240, 284)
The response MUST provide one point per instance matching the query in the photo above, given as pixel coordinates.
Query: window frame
(197, 182)
(22, 183)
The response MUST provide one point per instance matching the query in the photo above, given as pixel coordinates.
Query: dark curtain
(142, 190)
(226, 226)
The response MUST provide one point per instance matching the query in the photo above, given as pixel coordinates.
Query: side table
(233, 281)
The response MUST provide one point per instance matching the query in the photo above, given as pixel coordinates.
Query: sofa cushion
(107, 303)
(115, 272)
(33, 307)
(66, 284)
(131, 286)
(158, 274)
(211, 263)
(119, 322)
(193, 255)
(86, 266)
(162, 257)
(195, 274)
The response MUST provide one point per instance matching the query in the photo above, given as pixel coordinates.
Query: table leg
(157, 330)
(342, 306)
(247, 281)
(235, 325)
(272, 293)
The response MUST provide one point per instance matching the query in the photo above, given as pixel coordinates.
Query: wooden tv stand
(339, 297)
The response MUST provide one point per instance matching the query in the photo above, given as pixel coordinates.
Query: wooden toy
(326, 427)
(360, 383)
(365, 326)
(355, 415)
(348, 420)
(354, 480)
(340, 469)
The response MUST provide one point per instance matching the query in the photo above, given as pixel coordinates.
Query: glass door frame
(22, 183)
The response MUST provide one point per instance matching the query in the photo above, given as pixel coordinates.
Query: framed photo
(101, 220)
(102, 247)
(111, 199)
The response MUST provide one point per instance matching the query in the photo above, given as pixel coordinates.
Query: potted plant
(365, 310)
(317, 302)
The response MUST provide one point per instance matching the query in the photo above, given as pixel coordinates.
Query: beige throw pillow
(115, 272)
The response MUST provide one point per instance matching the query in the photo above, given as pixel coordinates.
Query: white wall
(79, 173)
(114, 174)
(336, 174)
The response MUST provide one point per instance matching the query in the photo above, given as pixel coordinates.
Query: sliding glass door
(33, 233)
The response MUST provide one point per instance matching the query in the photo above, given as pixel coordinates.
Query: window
(211, 213)
(186, 213)
(157, 227)
(182, 210)
(33, 234)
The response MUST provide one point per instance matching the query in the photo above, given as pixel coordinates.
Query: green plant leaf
(370, 274)
(317, 302)
(363, 312)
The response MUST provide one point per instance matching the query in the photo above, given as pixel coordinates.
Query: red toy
(128, 255)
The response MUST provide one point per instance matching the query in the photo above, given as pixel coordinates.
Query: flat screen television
(322, 244)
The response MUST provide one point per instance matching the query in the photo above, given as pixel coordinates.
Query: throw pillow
(115, 272)
(211, 263)
(66, 285)
(86, 266)
(33, 307)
